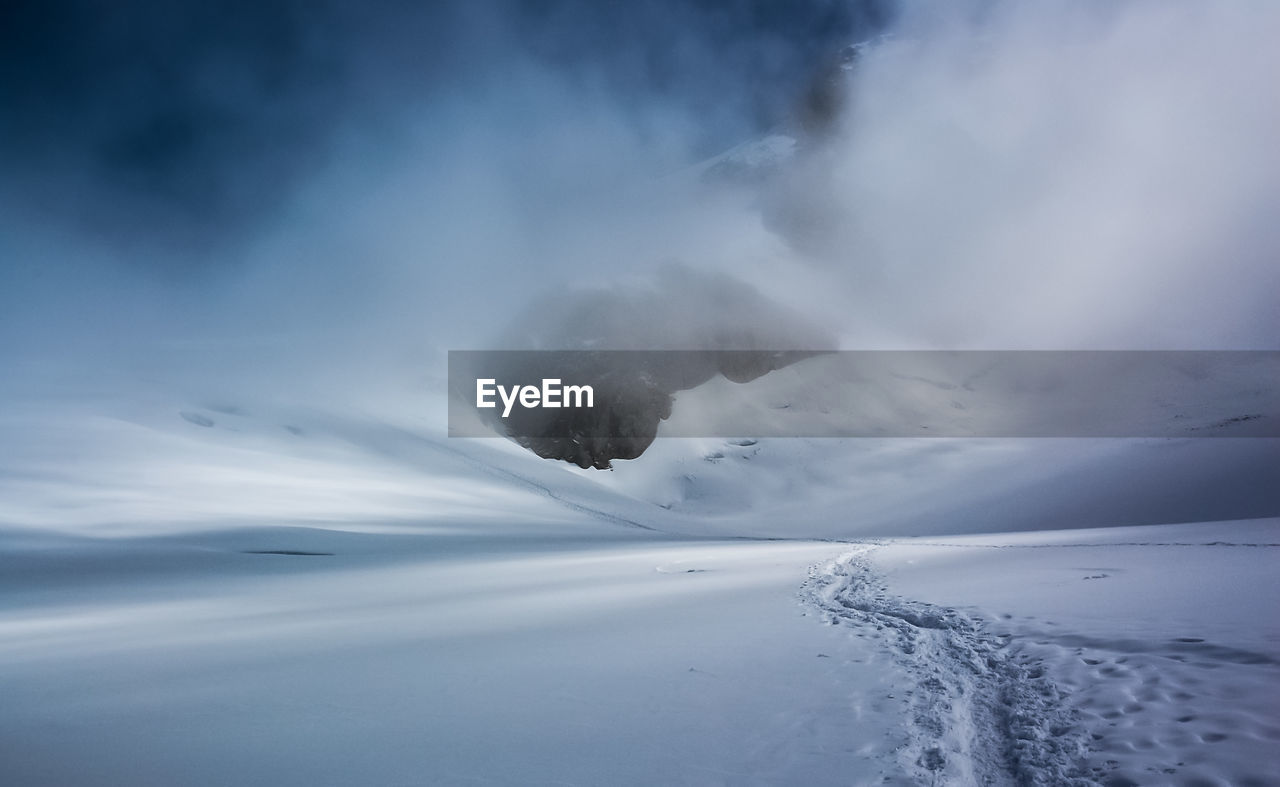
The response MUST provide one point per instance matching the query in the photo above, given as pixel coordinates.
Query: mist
(1060, 175)
(314, 206)
(244, 245)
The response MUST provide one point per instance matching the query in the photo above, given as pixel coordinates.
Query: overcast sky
(302, 198)
(348, 180)
(188, 124)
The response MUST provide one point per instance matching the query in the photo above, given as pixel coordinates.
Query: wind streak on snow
(402, 442)
(982, 711)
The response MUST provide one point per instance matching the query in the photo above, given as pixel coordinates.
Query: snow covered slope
(378, 659)
(125, 461)
(615, 655)
(1121, 656)
(203, 590)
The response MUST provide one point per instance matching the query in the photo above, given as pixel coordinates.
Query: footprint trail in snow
(982, 711)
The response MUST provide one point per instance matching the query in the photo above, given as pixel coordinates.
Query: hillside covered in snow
(988, 495)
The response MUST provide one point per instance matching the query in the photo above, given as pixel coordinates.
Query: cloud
(1053, 175)
(303, 203)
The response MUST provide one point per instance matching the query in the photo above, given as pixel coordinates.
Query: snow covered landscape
(363, 602)
(241, 541)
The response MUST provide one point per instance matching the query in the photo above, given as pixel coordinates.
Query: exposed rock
(699, 316)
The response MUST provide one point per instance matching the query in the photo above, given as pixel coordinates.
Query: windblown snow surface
(210, 592)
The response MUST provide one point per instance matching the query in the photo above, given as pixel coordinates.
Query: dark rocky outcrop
(633, 394)
(637, 347)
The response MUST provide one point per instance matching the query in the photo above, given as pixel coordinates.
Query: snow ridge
(981, 710)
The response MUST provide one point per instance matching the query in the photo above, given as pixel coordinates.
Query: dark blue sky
(125, 116)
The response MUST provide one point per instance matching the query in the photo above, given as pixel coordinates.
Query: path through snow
(1124, 657)
(981, 710)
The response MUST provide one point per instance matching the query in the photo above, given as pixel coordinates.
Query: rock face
(675, 308)
(826, 98)
(676, 334)
(685, 309)
(633, 394)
